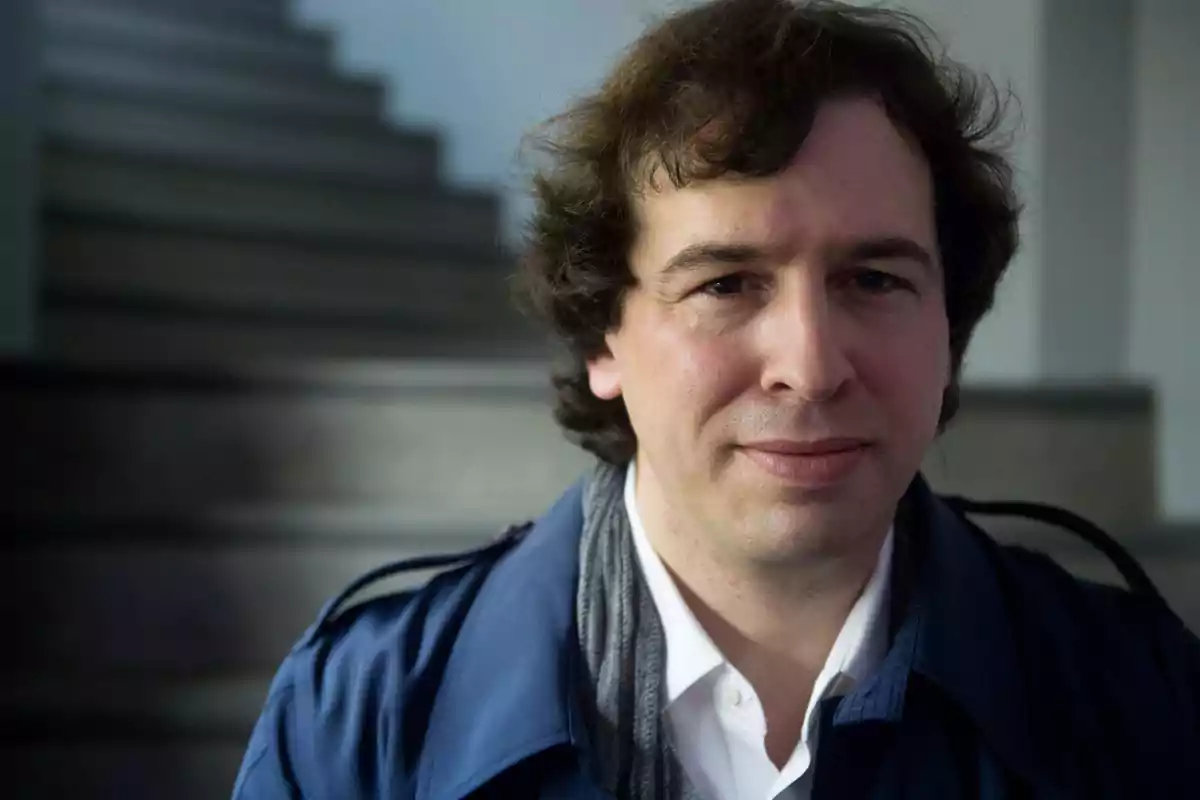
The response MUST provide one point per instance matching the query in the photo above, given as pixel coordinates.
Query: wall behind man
(1003, 41)
(1165, 341)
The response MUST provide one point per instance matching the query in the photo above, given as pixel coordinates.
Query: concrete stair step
(439, 439)
(89, 330)
(1169, 555)
(112, 293)
(1088, 448)
(173, 33)
(180, 599)
(118, 293)
(226, 84)
(272, 281)
(134, 123)
(167, 195)
(129, 705)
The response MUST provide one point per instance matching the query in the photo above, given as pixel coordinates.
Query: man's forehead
(855, 176)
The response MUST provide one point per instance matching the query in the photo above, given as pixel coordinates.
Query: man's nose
(803, 347)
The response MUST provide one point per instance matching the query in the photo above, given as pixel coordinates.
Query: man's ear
(604, 377)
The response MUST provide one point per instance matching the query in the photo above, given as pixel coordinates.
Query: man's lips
(814, 447)
(813, 464)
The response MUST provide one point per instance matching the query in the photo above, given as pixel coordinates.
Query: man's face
(784, 352)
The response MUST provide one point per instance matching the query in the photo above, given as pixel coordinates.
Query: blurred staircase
(212, 189)
(247, 276)
(171, 532)
(277, 350)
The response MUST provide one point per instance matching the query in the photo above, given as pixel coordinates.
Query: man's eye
(725, 286)
(873, 281)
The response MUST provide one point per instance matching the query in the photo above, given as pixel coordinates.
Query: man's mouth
(815, 463)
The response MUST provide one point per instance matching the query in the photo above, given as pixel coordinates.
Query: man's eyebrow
(880, 248)
(704, 254)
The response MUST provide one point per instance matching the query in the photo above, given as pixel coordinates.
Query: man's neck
(761, 616)
(777, 634)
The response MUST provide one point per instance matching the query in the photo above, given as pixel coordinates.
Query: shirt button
(733, 696)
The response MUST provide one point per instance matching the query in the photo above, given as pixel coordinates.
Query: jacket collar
(953, 629)
(510, 686)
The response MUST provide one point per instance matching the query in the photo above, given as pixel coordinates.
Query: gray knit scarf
(624, 651)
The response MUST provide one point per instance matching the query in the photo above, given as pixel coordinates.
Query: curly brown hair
(732, 87)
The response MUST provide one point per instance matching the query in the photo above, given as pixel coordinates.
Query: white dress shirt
(713, 712)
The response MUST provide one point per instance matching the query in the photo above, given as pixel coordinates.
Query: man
(765, 241)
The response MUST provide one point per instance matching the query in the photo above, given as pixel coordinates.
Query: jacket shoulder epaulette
(341, 602)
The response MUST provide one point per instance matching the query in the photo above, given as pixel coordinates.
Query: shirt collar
(862, 642)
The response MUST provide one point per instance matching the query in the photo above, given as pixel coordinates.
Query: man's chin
(787, 520)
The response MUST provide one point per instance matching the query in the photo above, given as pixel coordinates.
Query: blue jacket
(1005, 678)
